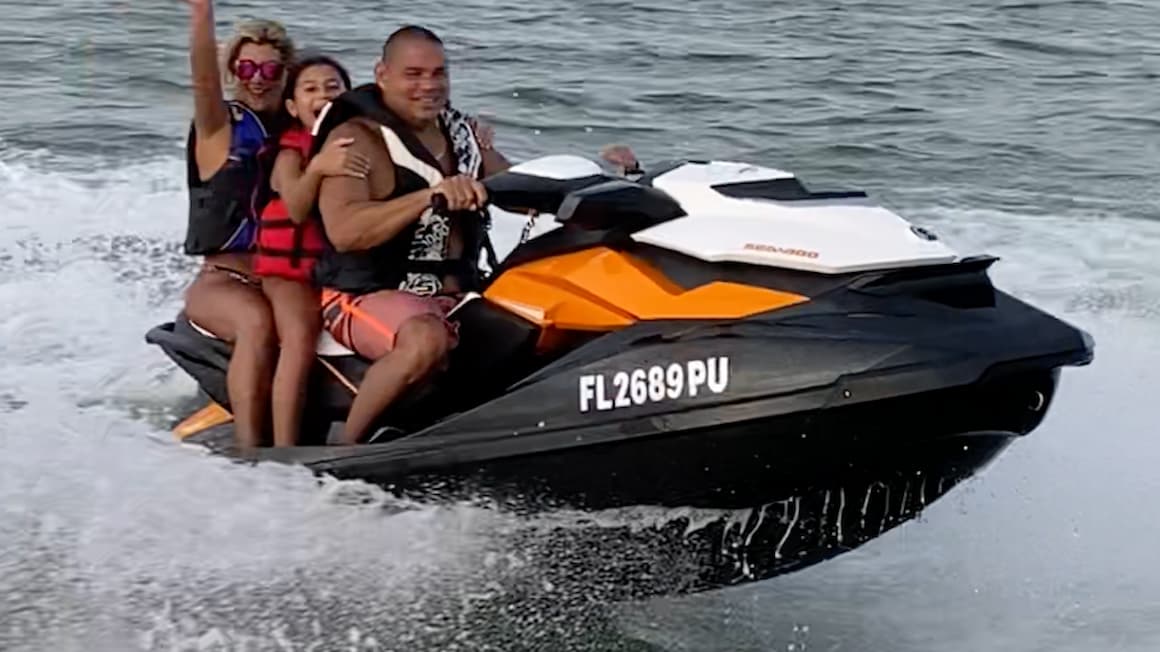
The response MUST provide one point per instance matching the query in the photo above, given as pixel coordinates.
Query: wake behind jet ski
(705, 335)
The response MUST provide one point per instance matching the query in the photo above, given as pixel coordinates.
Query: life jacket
(223, 209)
(416, 259)
(285, 248)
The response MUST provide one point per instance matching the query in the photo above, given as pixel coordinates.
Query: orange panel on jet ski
(601, 289)
(208, 417)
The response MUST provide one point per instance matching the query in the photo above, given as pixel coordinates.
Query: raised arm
(210, 119)
(352, 220)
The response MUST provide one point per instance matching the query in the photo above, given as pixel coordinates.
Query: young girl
(290, 241)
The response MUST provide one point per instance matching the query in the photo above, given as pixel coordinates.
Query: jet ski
(706, 334)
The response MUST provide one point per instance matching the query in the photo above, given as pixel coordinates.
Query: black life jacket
(416, 259)
(223, 210)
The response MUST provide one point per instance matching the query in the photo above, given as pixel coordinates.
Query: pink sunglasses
(246, 69)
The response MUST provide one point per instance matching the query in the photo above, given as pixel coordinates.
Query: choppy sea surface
(1029, 130)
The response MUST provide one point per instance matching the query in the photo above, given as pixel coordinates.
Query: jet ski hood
(734, 212)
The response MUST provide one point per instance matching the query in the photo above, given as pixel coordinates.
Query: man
(392, 268)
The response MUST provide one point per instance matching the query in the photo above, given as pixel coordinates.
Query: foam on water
(96, 502)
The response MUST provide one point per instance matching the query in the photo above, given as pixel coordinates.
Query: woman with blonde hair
(228, 186)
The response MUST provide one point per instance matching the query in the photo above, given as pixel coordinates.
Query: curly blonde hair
(260, 32)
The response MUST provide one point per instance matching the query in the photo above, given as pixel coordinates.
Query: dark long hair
(294, 71)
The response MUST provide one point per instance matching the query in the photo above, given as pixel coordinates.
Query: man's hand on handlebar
(461, 193)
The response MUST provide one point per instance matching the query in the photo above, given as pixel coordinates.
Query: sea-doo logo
(654, 384)
(774, 249)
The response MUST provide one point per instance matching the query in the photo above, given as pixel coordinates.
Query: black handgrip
(439, 204)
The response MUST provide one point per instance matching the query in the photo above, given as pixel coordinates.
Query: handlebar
(439, 203)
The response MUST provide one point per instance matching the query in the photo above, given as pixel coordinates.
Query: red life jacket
(287, 249)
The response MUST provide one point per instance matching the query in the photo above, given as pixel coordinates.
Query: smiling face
(261, 73)
(316, 85)
(414, 81)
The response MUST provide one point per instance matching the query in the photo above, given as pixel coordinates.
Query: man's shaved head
(412, 75)
(409, 33)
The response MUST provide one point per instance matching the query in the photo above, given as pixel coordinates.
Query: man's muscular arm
(353, 220)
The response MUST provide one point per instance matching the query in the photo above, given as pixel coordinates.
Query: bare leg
(421, 348)
(298, 322)
(238, 313)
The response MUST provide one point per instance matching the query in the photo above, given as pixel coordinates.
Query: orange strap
(346, 304)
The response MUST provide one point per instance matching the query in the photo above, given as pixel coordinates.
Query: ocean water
(1028, 130)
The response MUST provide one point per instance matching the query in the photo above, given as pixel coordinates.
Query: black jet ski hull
(778, 400)
(741, 461)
